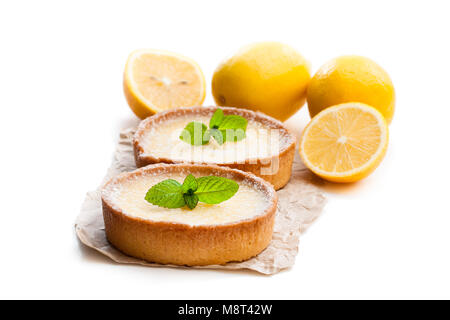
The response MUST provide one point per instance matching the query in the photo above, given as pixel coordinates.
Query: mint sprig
(210, 189)
(221, 127)
(214, 190)
(166, 194)
(216, 119)
(195, 133)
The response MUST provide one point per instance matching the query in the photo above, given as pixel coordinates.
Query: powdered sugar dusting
(126, 194)
(158, 137)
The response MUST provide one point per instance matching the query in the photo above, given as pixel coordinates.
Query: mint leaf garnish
(190, 183)
(233, 122)
(191, 200)
(217, 135)
(221, 127)
(216, 119)
(166, 194)
(194, 133)
(211, 189)
(233, 135)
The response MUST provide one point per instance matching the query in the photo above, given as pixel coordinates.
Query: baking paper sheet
(300, 203)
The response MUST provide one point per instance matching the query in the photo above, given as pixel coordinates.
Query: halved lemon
(345, 143)
(156, 80)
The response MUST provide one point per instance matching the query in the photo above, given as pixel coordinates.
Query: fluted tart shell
(281, 163)
(176, 243)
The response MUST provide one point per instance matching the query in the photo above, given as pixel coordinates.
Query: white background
(62, 107)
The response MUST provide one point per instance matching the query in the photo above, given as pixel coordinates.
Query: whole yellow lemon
(351, 79)
(270, 77)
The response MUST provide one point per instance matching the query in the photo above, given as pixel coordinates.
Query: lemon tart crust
(176, 243)
(277, 168)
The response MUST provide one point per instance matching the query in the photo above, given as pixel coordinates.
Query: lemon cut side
(157, 80)
(345, 143)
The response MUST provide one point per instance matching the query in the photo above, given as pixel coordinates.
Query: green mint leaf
(221, 127)
(233, 135)
(233, 122)
(217, 135)
(233, 128)
(189, 184)
(213, 190)
(207, 135)
(194, 133)
(191, 200)
(166, 194)
(216, 119)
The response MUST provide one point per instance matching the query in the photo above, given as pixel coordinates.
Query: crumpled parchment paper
(300, 203)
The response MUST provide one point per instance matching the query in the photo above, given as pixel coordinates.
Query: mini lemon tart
(233, 230)
(266, 151)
